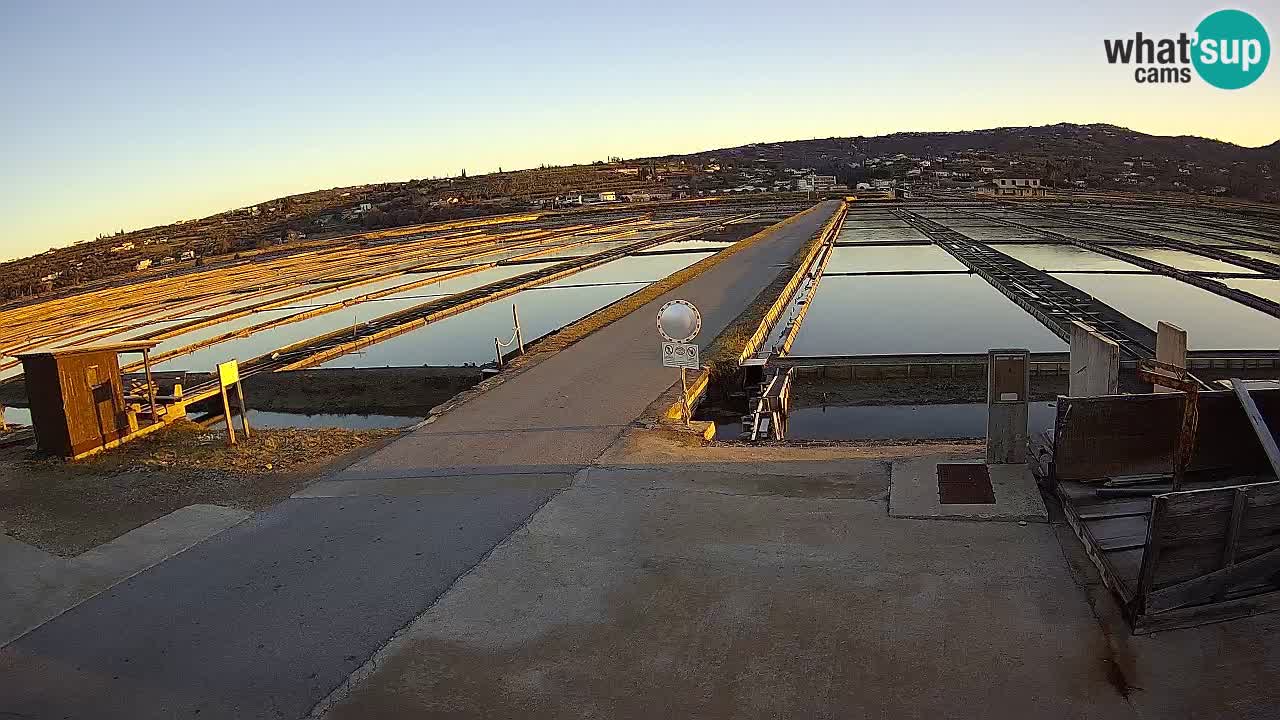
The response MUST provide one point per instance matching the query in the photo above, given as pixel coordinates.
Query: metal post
(515, 317)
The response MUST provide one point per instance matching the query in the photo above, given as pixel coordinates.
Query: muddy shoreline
(970, 387)
(404, 391)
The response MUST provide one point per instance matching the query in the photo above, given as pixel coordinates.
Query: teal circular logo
(1232, 49)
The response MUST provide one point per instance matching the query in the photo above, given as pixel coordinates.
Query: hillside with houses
(1062, 157)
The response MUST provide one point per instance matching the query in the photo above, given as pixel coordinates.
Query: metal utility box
(1008, 391)
(77, 398)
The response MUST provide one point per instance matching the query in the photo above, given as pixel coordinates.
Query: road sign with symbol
(680, 355)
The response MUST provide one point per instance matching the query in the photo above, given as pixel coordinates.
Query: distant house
(818, 183)
(1019, 187)
(122, 247)
(187, 255)
(647, 196)
(142, 265)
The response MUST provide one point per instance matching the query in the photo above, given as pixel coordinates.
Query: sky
(124, 115)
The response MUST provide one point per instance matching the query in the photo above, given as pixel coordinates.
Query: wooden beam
(1150, 558)
(1204, 588)
(1239, 506)
(1171, 348)
(1259, 425)
(1204, 614)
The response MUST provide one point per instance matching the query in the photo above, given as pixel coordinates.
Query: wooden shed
(77, 397)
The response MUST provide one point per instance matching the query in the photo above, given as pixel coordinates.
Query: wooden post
(151, 387)
(684, 396)
(1239, 506)
(1186, 435)
(1094, 363)
(226, 414)
(497, 349)
(229, 374)
(1259, 424)
(244, 411)
(1171, 349)
(515, 317)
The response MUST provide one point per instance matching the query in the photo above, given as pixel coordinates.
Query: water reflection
(903, 422)
(1212, 322)
(916, 314)
(1184, 260)
(1062, 257)
(467, 338)
(891, 259)
(1268, 289)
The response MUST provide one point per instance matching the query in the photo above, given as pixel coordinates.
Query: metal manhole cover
(965, 484)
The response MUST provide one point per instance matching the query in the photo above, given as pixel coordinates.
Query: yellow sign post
(228, 376)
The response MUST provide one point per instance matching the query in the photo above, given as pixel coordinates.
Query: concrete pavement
(37, 586)
(265, 619)
(674, 591)
(569, 408)
(773, 583)
(262, 620)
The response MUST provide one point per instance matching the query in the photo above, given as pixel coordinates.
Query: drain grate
(965, 484)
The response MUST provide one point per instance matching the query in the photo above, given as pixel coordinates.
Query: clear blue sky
(124, 115)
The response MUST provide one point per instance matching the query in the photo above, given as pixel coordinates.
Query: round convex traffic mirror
(679, 321)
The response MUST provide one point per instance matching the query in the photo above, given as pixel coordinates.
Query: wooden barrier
(1173, 559)
(1100, 437)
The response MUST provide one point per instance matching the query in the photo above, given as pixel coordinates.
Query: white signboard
(680, 355)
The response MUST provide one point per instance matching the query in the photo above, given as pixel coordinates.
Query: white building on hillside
(1019, 187)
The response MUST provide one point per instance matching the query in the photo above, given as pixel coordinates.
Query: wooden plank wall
(1133, 434)
(1211, 546)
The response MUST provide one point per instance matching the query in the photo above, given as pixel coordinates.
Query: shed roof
(128, 346)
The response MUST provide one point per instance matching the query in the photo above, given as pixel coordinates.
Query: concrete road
(568, 409)
(772, 583)
(265, 619)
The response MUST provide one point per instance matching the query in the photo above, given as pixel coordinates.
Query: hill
(1096, 157)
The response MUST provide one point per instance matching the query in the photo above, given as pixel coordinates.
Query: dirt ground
(411, 392)
(67, 508)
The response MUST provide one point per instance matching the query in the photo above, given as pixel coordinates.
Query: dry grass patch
(67, 508)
